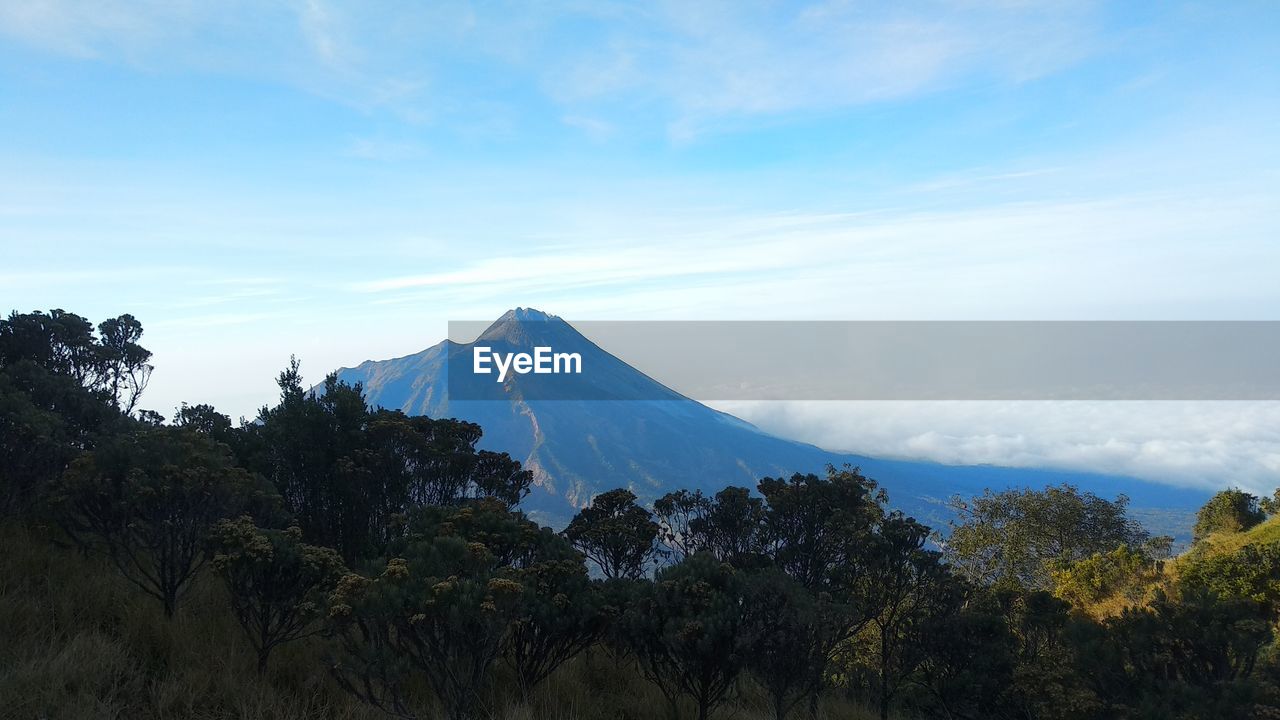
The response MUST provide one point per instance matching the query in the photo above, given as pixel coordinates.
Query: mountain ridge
(633, 431)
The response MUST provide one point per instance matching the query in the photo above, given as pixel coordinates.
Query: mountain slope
(625, 429)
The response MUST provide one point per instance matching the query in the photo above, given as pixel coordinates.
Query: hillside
(82, 644)
(1227, 543)
(1140, 588)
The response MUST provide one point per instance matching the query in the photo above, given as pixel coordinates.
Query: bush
(1229, 511)
(278, 585)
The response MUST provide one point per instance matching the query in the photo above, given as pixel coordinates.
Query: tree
(785, 623)
(729, 525)
(691, 631)
(206, 419)
(1051, 648)
(967, 664)
(438, 462)
(1251, 573)
(616, 534)
(1228, 511)
(112, 365)
(559, 613)
(60, 342)
(680, 515)
(1019, 536)
(1193, 658)
(124, 368)
(53, 401)
(147, 500)
(1270, 505)
(312, 453)
(442, 608)
(1086, 582)
(35, 446)
(278, 585)
(912, 592)
(822, 532)
(349, 473)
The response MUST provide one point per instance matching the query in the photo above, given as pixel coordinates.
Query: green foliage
(1250, 573)
(1229, 511)
(35, 445)
(147, 500)
(767, 599)
(1019, 536)
(911, 592)
(112, 366)
(616, 534)
(560, 613)
(819, 529)
(729, 525)
(123, 362)
(442, 609)
(787, 623)
(967, 664)
(81, 643)
(691, 630)
(1196, 657)
(1102, 575)
(1270, 505)
(349, 473)
(60, 387)
(823, 532)
(206, 419)
(277, 584)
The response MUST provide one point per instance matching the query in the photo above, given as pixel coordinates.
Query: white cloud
(1115, 259)
(694, 63)
(710, 60)
(592, 127)
(1193, 444)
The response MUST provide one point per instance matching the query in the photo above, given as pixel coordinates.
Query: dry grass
(1265, 532)
(79, 643)
(1144, 589)
(82, 643)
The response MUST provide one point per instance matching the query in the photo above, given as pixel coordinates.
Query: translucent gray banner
(832, 360)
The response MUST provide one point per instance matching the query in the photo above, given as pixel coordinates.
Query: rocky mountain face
(612, 426)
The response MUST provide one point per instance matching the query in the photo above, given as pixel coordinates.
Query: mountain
(612, 426)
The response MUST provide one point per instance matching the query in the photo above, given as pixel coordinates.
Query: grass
(1166, 577)
(79, 643)
(1268, 531)
(82, 643)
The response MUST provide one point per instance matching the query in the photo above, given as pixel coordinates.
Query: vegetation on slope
(334, 560)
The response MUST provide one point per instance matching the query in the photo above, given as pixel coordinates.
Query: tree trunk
(884, 675)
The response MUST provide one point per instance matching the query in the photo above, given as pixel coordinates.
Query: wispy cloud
(706, 61)
(1024, 259)
(372, 148)
(594, 128)
(689, 63)
(212, 320)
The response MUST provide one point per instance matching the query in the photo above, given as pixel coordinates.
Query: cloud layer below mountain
(1192, 444)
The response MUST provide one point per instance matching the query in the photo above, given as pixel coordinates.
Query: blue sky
(338, 180)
